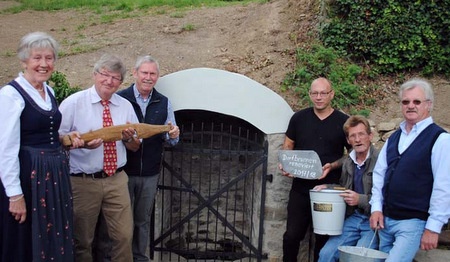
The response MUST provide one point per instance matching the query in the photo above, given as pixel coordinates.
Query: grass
(118, 5)
(188, 27)
(79, 50)
(177, 15)
(9, 53)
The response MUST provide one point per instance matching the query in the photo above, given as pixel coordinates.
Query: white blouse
(11, 107)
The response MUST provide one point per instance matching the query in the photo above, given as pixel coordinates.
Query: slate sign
(304, 164)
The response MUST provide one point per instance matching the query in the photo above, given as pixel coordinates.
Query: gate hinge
(269, 178)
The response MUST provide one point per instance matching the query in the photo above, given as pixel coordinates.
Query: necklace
(40, 89)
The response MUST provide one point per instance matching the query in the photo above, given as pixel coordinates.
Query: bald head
(323, 82)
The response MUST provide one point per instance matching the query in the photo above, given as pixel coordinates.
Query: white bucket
(360, 254)
(328, 211)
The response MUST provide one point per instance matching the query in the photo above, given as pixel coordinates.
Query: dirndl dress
(47, 233)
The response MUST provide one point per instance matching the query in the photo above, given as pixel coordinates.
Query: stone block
(376, 137)
(397, 121)
(387, 135)
(386, 126)
(436, 255)
(444, 238)
(276, 213)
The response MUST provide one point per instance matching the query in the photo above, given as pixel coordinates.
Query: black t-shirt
(326, 137)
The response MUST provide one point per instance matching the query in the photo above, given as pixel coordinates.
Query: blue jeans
(401, 238)
(356, 232)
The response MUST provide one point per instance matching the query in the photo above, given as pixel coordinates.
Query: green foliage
(81, 26)
(319, 61)
(8, 53)
(61, 86)
(161, 11)
(107, 19)
(122, 5)
(177, 15)
(188, 27)
(393, 35)
(111, 10)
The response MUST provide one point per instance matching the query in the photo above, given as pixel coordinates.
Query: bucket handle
(371, 241)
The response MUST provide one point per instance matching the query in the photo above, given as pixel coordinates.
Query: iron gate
(211, 195)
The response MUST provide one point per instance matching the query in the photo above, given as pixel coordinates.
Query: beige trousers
(110, 195)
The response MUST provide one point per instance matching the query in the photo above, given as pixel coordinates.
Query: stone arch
(227, 93)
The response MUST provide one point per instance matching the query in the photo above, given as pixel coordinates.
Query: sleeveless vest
(38, 128)
(408, 183)
(147, 160)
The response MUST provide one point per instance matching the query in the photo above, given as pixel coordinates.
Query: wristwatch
(128, 140)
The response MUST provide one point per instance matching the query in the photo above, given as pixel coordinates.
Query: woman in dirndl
(35, 193)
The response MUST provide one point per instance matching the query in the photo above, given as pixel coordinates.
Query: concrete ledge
(436, 255)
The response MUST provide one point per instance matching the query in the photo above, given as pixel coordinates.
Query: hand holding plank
(114, 133)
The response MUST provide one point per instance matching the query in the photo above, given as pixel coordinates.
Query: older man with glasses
(356, 177)
(317, 128)
(411, 180)
(99, 182)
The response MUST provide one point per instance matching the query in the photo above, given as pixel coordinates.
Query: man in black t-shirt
(317, 128)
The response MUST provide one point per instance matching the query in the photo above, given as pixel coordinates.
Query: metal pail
(328, 211)
(361, 254)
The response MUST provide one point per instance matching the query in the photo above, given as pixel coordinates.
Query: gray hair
(146, 59)
(36, 40)
(111, 63)
(419, 83)
(354, 121)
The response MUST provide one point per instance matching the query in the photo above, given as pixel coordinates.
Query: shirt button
(51, 117)
(51, 138)
(51, 128)
(51, 123)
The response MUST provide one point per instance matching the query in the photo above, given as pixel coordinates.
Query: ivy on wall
(393, 35)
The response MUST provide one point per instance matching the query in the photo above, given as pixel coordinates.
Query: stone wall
(276, 203)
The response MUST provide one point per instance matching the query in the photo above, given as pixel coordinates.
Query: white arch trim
(227, 93)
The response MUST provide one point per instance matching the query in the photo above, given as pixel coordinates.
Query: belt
(100, 174)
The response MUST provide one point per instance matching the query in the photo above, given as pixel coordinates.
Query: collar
(27, 85)
(418, 127)
(352, 155)
(138, 95)
(95, 98)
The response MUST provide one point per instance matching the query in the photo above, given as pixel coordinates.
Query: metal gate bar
(252, 160)
(207, 203)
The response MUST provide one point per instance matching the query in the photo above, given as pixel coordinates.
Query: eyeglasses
(415, 102)
(114, 78)
(323, 94)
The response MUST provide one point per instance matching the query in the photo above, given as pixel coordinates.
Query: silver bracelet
(16, 199)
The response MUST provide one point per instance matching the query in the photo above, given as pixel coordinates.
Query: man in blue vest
(411, 180)
(144, 165)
